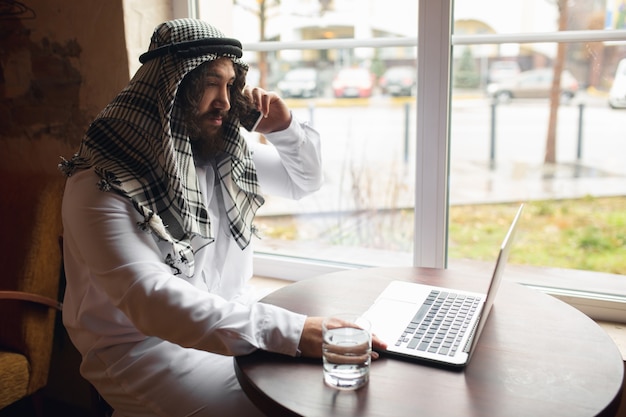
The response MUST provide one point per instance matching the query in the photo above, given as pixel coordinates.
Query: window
(401, 161)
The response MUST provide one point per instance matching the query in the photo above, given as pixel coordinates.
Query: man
(158, 217)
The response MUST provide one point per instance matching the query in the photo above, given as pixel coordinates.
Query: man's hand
(276, 114)
(311, 340)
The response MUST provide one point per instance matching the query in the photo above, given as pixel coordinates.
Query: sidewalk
(472, 184)
(387, 185)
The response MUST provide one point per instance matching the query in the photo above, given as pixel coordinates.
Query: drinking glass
(346, 351)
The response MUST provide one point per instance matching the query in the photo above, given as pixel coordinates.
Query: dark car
(399, 81)
(533, 84)
(353, 82)
(300, 82)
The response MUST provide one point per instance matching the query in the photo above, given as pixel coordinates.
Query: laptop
(436, 325)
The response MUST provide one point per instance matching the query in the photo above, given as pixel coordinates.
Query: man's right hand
(311, 339)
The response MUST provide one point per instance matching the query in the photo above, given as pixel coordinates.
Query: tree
(262, 10)
(555, 92)
(466, 75)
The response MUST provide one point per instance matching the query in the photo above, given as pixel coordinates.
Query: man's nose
(223, 99)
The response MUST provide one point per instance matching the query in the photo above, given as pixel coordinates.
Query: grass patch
(588, 233)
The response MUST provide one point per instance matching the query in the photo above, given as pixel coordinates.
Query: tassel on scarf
(177, 259)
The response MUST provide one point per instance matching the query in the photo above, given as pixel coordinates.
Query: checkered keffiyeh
(138, 146)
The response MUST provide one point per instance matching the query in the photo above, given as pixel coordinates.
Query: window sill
(601, 296)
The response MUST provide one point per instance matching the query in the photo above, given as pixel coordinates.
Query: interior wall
(140, 22)
(61, 62)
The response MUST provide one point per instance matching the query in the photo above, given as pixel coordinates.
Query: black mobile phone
(250, 120)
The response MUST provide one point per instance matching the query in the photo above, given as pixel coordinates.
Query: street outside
(369, 156)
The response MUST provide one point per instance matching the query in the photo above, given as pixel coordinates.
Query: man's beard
(205, 143)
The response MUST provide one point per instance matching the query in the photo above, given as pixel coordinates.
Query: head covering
(139, 148)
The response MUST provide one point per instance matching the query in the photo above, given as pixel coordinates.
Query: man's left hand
(276, 114)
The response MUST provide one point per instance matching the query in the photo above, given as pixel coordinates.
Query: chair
(30, 257)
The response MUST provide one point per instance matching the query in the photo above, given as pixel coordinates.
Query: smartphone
(250, 120)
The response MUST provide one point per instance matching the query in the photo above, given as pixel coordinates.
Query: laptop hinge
(468, 343)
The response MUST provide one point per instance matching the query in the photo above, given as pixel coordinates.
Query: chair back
(30, 255)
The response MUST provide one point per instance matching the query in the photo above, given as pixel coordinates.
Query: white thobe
(157, 344)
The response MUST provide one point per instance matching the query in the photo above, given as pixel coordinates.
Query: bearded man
(158, 217)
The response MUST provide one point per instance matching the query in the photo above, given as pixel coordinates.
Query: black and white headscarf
(138, 146)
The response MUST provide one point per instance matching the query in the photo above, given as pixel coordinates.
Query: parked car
(533, 84)
(353, 82)
(399, 81)
(503, 70)
(617, 93)
(300, 82)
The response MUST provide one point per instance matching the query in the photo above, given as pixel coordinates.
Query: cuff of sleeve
(294, 133)
(283, 330)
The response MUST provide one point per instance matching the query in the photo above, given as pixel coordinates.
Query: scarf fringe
(180, 259)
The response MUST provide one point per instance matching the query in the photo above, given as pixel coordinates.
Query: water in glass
(346, 357)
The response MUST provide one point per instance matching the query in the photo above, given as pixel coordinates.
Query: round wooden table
(536, 357)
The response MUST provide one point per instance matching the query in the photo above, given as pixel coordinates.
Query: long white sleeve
(290, 166)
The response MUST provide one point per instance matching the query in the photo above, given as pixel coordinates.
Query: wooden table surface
(536, 357)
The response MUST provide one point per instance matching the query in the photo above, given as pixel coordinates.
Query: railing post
(311, 113)
(579, 148)
(407, 108)
(492, 143)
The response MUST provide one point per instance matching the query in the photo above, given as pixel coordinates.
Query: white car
(300, 82)
(535, 83)
(503, 70)
(617, 94)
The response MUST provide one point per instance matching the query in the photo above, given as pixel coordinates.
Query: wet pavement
(384, 184)
(476, 183)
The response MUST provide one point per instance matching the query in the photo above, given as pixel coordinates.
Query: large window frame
(434, 41)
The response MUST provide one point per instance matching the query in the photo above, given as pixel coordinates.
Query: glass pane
(364, 110)
(499, 151)
(479, 17)
(511, 142)
(362, 101)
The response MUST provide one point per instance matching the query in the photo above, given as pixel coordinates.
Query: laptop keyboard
(440, 324)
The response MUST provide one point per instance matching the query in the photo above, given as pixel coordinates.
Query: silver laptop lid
(496, 279)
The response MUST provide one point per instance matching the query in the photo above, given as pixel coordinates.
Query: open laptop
(405, 316)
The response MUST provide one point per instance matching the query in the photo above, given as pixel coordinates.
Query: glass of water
(346, 351)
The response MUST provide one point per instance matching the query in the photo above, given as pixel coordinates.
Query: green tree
(466, 74)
